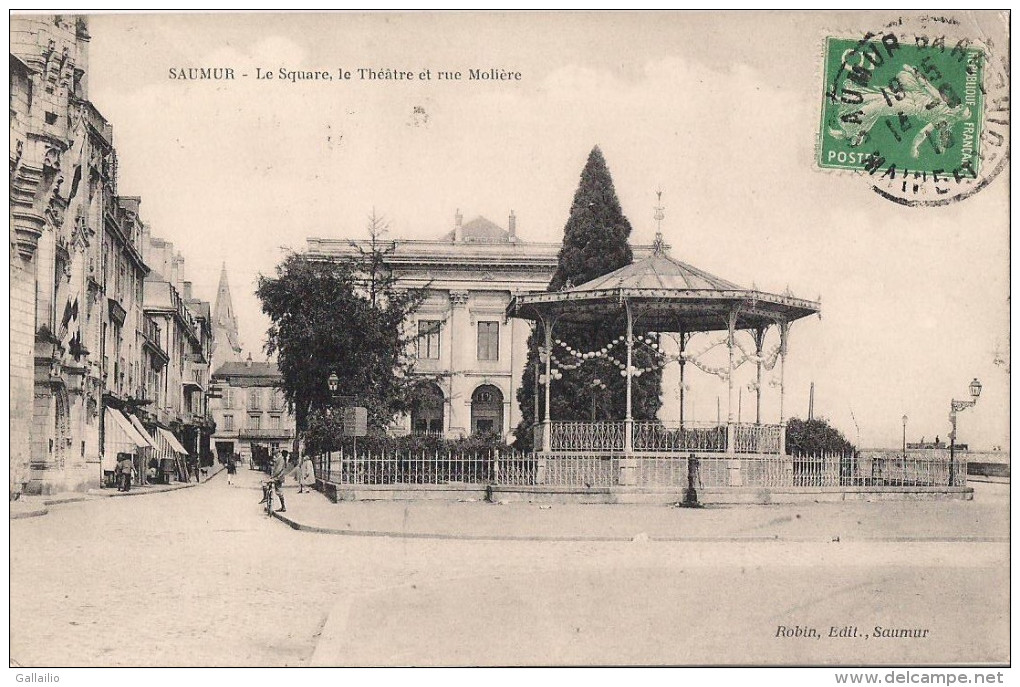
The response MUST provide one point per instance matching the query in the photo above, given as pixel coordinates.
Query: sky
(720, 112)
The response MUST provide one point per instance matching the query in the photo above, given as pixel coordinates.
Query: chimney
(186, 286)
(247, 363)
(458, 229)
(512, 227)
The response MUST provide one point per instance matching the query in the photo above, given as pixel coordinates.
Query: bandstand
(657, 296)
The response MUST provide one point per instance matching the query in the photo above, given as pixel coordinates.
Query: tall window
(275, 400)
(227, 400)
(488, 340)
(228, 423)
(254, 422)
(428, 339)
(254, 402)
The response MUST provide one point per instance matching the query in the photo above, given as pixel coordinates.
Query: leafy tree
(345, 317)
(594, 243)
(814, 437)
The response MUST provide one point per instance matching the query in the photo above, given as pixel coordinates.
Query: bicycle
(269, 489)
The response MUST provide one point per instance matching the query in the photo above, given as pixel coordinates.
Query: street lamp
(904, 436)
(334, 383)
(954, 408)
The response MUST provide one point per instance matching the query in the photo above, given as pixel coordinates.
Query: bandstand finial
(658, 246)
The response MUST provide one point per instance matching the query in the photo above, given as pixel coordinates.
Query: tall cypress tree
(594, 243)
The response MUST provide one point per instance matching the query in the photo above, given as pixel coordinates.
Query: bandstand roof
(664, 295)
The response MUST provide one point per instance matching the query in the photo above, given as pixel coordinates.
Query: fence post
(693, 478)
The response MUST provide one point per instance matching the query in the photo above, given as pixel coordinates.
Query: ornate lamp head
(975, 388)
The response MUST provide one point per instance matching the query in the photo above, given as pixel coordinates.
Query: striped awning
(121, 435)
(140, 428)
(172, 442)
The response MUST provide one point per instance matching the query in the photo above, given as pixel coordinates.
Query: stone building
(474, 354)
(85, 359)
(249, 409)
(63, 205)
(184, 328)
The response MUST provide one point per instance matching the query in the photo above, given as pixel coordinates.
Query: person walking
(231, 467)
(306, 476)
(125, 467)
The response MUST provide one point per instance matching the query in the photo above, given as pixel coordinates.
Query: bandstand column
(547, 326)
(784, 336)
(759, 342)
(628, 463)
(628, 431)
(683, 346)
(731, 429)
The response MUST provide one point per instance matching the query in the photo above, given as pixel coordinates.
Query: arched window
(428, 413)
(487, 410)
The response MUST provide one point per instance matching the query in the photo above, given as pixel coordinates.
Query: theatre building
(476, 356)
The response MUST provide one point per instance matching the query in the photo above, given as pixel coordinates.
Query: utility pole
(811, 404)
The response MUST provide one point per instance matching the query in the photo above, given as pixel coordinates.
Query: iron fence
(586, 436)
(657, 436)
(588, 469)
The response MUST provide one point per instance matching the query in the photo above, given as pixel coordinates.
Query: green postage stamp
(894, 107)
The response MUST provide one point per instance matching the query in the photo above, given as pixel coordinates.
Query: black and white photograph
(510, 339)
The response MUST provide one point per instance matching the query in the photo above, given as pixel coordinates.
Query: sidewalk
(34, 506)
(986, 518)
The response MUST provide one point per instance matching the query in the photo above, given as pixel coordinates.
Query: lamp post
(904, 436)
(954, 408)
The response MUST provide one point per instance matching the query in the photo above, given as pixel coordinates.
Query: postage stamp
(915, 113)
(918, 105)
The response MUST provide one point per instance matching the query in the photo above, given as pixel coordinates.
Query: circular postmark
(918, 109)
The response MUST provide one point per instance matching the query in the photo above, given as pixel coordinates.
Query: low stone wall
(637, 495)
(399, 492)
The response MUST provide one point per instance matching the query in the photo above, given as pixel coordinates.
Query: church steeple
(226, 347)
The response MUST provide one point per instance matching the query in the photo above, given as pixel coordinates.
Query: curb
(315, 529)
(29, 513)
(94, 493)
(140, 491)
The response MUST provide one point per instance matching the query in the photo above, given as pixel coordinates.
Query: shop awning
(170, 439)
(121, 435)
(140, 428)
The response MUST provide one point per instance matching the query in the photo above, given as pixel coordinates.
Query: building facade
(183, 326)
(65, 215)
(81, 345)
(249, 410)
(475, 356)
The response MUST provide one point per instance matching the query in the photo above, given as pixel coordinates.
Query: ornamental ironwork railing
(585, 469)
(657, 436)
(753, 438)
(586, 436)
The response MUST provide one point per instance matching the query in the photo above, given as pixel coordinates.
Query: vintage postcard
(511, 339)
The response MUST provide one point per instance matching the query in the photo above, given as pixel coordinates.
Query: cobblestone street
(200, 576)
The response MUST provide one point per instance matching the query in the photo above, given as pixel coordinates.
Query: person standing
(306, 476)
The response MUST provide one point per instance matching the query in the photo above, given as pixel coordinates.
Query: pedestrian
(124, 470)
(306, 476)
(193, 468)
(231, 467)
